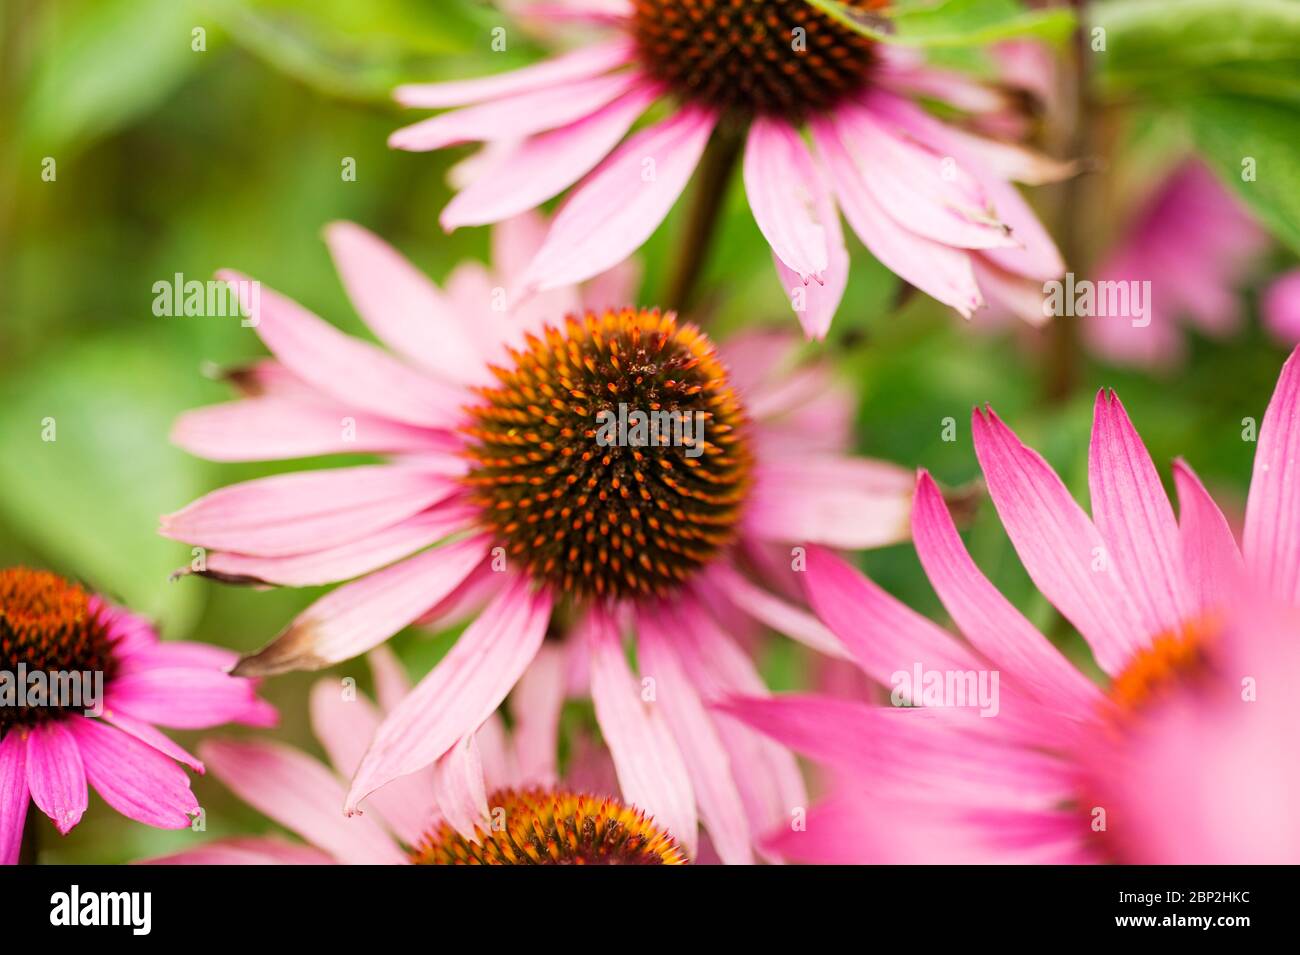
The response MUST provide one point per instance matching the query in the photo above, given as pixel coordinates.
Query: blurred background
(145, 138)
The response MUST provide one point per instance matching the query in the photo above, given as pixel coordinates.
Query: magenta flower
(57, 740)
(442, 815)
(1190, 752)
(1194, 243)
(931, 201)
(1281, 307)
(500, 502)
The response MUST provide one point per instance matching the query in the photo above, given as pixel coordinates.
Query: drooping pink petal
(400, 304)
(459, 787)
(300, 794)
(13, 795)
(579, 64)
(355, 373)
(1211, 560)
(1271, 539)
(391, 682)
(307, 510)
(354, 618)
(618, 206)
(460, 692)
(942, 272)
(535, 705)
(55, 776)
(986, 618)
(815, 305)
(348, 560)
(517, 115)
(1134, 517)
(545, 165)
(272, 429)
(132, 777)
(1059, 546)
(152, 737)
(345, 723)
(781, 183)
(651, 771)
(721, 809)
(832, 500)
(1022, 297)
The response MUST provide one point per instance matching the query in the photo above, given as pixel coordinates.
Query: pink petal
(181, 698)
(272, 429)
(152, 737)
(401, 305)
(837, 501)
(306, 511)
(517, 115)
(1215, 572)
(459, 788)
(651, 771)
(351, 371)
(1271, 540)
(582, 63)
(544, 166)
(1134, 517)
(132, 777)
(261, 850)
(987, 619)
(535, 705)
(391, 681)
(1280, 305)
(55, 776)
(721, 809)
(301, 795)
(13, 795)
(345, 561)
(345, 726)
(1060, 548)
(354, 618)
(460, 692)
(771, 610)
(782, 185)
(617, 208)
(884, 635)
(938, 270)
(914, 187)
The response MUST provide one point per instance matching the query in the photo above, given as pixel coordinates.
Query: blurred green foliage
(184, 151)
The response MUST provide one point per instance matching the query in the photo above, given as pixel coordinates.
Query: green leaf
(1231, 130)
(953, 23)
(89, 500)
(104, 63)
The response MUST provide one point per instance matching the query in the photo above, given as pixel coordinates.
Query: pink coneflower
(498, 493)
(1194, 242)
(1189, 753)
(107, 684)
(931, 201)
(492, 801)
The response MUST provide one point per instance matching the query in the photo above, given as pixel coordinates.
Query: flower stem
(1063, 345)
(711, 181)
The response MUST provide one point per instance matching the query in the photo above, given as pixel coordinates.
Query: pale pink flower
(483, 794)
(104, 734)
(499, 497)
(1194, 242)
(1191, 751)
(930, 200)
(1281, 307)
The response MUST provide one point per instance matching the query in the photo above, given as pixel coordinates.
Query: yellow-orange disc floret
(595, 518)
(540, 827)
